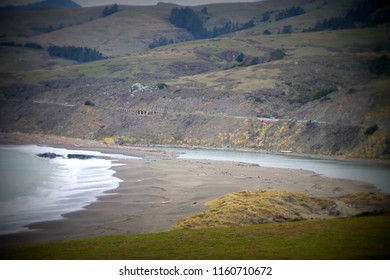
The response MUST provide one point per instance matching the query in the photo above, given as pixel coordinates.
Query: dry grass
(375, 200)
(254, 207)
(257, 207)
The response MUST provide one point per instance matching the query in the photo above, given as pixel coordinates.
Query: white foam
(70, 185)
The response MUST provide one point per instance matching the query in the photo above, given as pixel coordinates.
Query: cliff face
(194, 117)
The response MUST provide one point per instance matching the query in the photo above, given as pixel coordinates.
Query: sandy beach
(159, 190)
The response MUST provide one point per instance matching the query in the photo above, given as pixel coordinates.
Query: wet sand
(159, 190)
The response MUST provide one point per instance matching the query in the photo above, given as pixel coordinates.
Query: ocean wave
(64, 185)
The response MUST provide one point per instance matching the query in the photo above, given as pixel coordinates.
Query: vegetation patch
(256, 207)
(107, 11)
(380, 65)
(188, 19)
(290, 12)
(371, 130)
(80, 54)
(89, 103)
(377, 201)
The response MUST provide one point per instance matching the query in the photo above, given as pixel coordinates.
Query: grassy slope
(347, 238)
(128, 31)
(131, 29)
(30, 23)
(297, 47)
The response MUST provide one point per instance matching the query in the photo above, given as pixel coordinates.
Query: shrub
(287, 29)
(11, 44)
(162, 85)
(162, 41)
(254, 61)
(322, 93)
(89, 103)
(380, 65)
(267, 32)
(240, 57)
(371, 130)
(277, 54)
(33, 46)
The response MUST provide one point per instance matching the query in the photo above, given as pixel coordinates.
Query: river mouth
(376, 174)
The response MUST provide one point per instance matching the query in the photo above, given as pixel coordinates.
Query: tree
(240, 57)
(287, 29)
(277, 54)
(162, 41)
(267, 32)
(109, 10)
(290, 12)
(89, 103)
(80, 54)
(188, 19)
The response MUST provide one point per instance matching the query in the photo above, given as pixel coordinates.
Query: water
(375, 174)
(34, 189)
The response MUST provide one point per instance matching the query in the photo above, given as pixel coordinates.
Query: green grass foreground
(343, 238)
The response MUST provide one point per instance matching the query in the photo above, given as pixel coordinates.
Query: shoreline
(79, 143)
(159, 190)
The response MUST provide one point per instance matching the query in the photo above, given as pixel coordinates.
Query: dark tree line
(188, 19)
(363, 14)
(162, 41)
(80, 54)
(110, 10)
(26, 45)
(290, 12)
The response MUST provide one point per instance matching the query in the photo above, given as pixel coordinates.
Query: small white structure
(138, 87)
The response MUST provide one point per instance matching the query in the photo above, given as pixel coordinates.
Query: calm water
(375, 174)
(34, 189)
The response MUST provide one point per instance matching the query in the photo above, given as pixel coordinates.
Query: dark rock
(80, 156)
(49, 155)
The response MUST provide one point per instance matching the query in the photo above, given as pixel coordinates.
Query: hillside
(310, 92)
(47, 4)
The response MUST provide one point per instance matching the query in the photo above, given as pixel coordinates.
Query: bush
(301, 99)
(33, 46)
(89, 103)
(267, 32)
(277, 54)
(371, 130)
(287, 29)
(162, 85)
(254, 61)
(11, 44)
(322, 93)
(380, 65)
(162, 41)
(240, 57)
